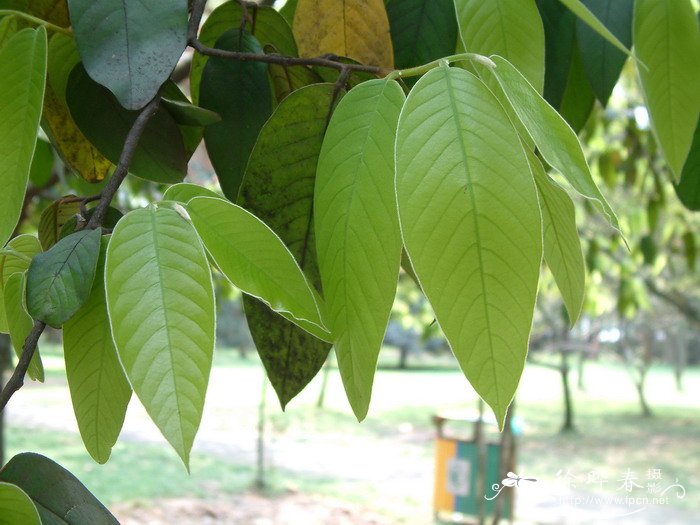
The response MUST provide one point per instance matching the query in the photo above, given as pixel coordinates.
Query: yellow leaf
(71, 144)
(357, 29)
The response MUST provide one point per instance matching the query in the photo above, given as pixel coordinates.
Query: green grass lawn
(611, 434)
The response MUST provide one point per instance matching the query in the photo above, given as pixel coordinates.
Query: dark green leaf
(240, 93)
(42, 164)
(160, 156)
(688, 189)
(602, 62)
(130, 46)
(59, 280)
(288, 9)
(187, 114)
(690, 249)
(59, 496)
(421, 30)
(559, 32)
(286, 79)
(54, 218)
(279, 187)
(578, 99)
(269, 28)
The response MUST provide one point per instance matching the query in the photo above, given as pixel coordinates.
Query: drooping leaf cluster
(328, 172)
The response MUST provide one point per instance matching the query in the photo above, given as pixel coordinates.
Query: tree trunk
(581, 385)
(646, 409)
(324, 384)
(568, 400)
(260, 482)
(403, 358)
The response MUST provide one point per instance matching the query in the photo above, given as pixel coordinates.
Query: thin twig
(16, 381)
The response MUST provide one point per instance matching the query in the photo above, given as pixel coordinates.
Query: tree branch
(330, 61)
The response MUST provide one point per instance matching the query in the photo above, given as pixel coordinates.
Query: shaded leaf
(602, 62)
(22, 80)
(465, 192)
(255, 260)
(578, 98)
(688, 189)
(357, 230)
(59, 280)
(667, 41)
(562, 246)
(160, 300)
(110, 221)
(359, 30)
(510, 28)
(53, 11)
(53, 219)
(186, 114)
(279, 188)
(240, 93)
(584, 14)
(269, 28)
(129, 46)
(8, 27)
(556, 141)
(160, 155)
(59, 496)
(42, 164)
(99, 389)
(16, 507)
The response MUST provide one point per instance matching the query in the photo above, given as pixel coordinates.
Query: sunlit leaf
(20, 323)
(15, 258)
(22, 80)
(16, 507)
(357, 230)
(184, 192)
(160, 300)
(99, 389)
(471, 225)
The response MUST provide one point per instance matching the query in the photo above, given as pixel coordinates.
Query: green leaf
(255, 260)
(185, 114)
(358, 239)
(160, 155)
(160, 300)
(20, 323)
(278, 188)
(690, 249)
(667, 41)
(559, 37)
(16, 507)
(42, 164)
(98, 387)
(288, 9)
(53, 219)
(578, 98)
(53, 11)
(286, 79)
(15, 258)
(59, 280)
(471, 225)
(331, 75)
(240, 93)
(601, 61)
(8, 27)
(22, 80)
(421, 30)
(130, 46)
(269, 28)
(584, 14)
(562, 246)
(688, 189)
(59, 496)
(110, 220)
(184, 192)
(510, 28)
(556, 141)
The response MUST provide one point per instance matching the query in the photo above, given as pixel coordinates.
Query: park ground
(323, 467)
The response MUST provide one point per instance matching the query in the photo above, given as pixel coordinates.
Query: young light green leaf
(16, 507)
(581, 11)
(667, 41)
(510, 28)
(59, 496)
(240, 93)
(129, 46)
(562, 246)
(278, 188)
(554, 138)
(59, 280)
(160, 301)
(184, 192)
(20, 323)
(471, 225)
(255, 260)
(358, 240)
(99, 389)
(22, 82)
(15, 258)
(268, 28)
